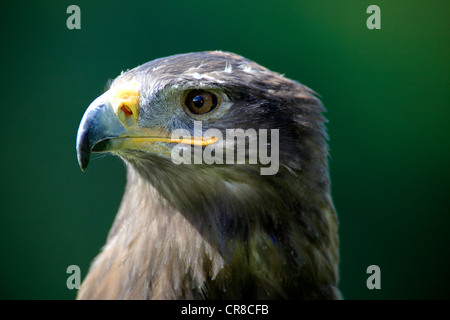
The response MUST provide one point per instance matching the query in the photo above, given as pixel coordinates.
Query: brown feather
(223, 231)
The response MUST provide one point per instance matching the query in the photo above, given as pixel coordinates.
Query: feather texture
(223, 231)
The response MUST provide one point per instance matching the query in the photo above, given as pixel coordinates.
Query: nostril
(126, 110)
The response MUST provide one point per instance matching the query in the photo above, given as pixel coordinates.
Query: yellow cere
(125, 102)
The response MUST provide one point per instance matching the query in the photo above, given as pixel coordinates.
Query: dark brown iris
(200, 101)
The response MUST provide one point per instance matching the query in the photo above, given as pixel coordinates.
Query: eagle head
(227, 190)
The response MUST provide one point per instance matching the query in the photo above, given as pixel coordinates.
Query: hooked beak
(98, 125)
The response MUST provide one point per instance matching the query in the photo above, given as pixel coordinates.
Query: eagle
(204, 214)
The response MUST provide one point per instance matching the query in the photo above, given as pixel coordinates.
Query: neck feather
(157, 251)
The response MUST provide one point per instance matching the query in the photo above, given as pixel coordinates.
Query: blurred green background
(387, 94)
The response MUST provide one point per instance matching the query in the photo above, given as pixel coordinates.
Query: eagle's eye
(200, 101)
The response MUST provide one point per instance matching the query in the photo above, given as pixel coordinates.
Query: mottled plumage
(219, 231)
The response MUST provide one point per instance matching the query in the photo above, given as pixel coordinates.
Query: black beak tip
(83, 162)
(83, 159)
(83, 150)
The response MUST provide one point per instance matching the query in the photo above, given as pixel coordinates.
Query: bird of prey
(222, 229)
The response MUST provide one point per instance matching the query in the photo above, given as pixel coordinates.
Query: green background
(386, 91)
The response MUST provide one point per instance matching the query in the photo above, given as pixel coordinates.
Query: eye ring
(200, 102)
